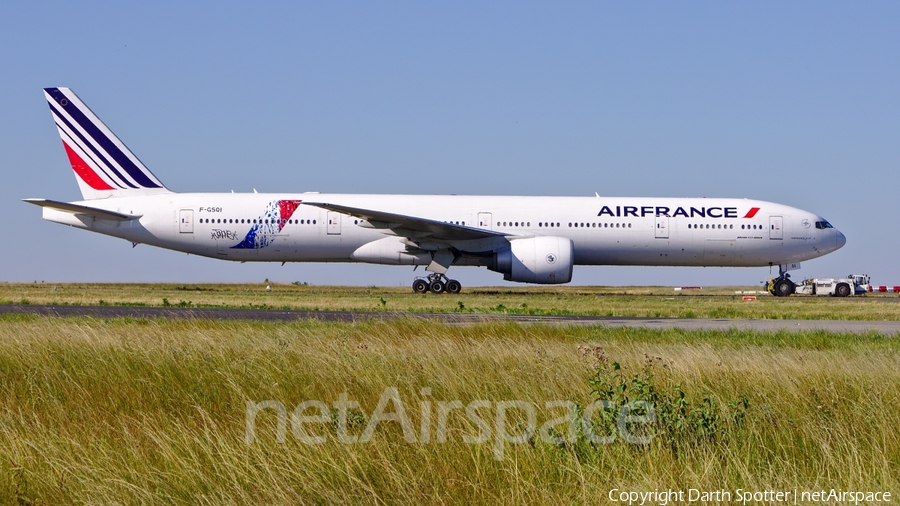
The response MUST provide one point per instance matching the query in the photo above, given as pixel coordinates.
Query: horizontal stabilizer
(102, 214)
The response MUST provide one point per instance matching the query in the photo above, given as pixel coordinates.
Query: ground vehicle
(854, 284)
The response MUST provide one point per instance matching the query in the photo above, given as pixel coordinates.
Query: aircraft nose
(839, 240)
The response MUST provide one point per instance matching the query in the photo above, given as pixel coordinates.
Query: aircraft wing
(412, 226)
(102, 214)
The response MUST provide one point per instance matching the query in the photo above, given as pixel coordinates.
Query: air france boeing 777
(527, 239)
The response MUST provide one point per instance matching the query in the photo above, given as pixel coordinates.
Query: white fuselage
(527, 239)
(604, 230)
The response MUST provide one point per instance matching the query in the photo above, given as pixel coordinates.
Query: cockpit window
(823, 225)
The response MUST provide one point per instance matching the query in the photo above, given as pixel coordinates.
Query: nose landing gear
(436, 283)
(782, 286)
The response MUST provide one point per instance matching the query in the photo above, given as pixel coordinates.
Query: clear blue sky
(793, 102)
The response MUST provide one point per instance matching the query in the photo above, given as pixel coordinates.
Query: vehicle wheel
(842, 290)
(437, 287)
(784, 288)
(420, 286)
(453, 286)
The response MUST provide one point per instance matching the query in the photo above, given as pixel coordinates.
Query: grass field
(150, 411)
(716, 302)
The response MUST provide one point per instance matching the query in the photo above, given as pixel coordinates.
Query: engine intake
(545, 260)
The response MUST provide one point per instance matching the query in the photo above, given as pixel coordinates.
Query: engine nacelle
(545, 260)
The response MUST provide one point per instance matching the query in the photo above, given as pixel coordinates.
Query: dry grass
(97, 411)
(656, 302)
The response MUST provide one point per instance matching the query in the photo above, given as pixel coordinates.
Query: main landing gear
(437, 283)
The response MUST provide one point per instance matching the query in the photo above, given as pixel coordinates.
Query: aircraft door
(186, 221)
(776, 230)
(484, 221)
(662, 227)
(334, 223)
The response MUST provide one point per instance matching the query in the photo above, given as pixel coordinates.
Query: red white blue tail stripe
(101, 161)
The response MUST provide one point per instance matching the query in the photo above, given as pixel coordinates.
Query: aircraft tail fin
(104, 167)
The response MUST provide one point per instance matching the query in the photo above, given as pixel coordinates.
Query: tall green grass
(148, 411)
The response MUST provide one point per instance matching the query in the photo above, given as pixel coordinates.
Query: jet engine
(545, 260)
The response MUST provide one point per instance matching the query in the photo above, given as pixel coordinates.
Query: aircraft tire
(453, 286)
(784, 288)
(437, 287)
(420, 286)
